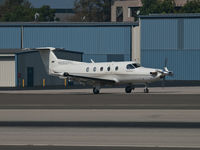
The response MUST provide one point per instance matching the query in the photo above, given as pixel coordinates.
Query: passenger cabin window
(130, 66)
(94, 69)
(108, 68)
(136, 65)
(101, 69)
(116, 68)
(87, 69)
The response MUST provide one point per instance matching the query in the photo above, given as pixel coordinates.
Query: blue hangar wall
(100, 42)
(175, 37)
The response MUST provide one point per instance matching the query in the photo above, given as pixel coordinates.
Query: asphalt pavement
(102, 101)
(71, 136)
(31, 147)
(165, 119)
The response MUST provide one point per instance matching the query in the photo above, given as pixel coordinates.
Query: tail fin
(48, 57)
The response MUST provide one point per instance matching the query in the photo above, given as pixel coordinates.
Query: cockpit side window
(136, 65)
(130, 66)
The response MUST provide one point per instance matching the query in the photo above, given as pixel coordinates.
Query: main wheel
(146, 90)
(128, 89)
(96, 91)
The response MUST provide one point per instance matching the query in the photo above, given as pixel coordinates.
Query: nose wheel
(146, 90)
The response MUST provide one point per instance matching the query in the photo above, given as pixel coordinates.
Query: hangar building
(175, 37)
(172, 36)
(17, 65)
(97, 41)
(30, 68)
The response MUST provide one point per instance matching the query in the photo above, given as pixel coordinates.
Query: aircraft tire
(128, 89)
(96, 91)
(146, 90)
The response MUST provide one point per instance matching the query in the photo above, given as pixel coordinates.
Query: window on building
(130, 66)
(87, 69)
(101, 69)
(133, 12)
(119, 14)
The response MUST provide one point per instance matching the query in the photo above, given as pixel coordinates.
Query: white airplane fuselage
(98, 74)
(121, 75)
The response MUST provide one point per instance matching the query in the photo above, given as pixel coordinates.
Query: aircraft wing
(90, 80)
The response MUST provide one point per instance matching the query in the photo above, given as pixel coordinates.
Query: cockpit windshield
(130, 66)
(136, 65)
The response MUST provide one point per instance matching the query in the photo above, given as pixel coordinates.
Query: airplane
(127, 73)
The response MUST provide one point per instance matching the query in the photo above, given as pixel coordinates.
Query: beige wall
(125, 5)
(136, 44)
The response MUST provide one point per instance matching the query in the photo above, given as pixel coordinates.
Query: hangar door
(7, 71)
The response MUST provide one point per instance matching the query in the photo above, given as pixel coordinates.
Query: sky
(62, 4)
(1, 1)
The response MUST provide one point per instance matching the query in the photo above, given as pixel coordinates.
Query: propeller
(165, 72)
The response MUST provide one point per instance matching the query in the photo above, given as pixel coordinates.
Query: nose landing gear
(146, 89)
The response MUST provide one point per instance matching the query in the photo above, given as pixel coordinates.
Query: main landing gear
(129, 89)
(96, 90)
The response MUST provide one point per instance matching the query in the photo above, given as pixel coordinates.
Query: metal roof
(10, 51)
(19, 51)
(184, 15)
(66, 24)
(32, 50)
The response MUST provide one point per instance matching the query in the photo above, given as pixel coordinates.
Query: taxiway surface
(147, 137)
(159, 98)
(166, 118)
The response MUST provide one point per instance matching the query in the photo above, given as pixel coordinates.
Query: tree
(46, 13)
(92, 10)
(191, 7)
(21, 10)
(149, 6)
(167, 6)
(16, 10)
(157, 6)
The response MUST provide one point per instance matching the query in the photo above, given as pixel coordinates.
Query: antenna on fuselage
(92, 61)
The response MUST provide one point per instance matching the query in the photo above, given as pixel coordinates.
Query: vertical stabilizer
(49, 59)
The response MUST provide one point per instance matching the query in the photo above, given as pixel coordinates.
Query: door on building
(7, 71)
(30, 76)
